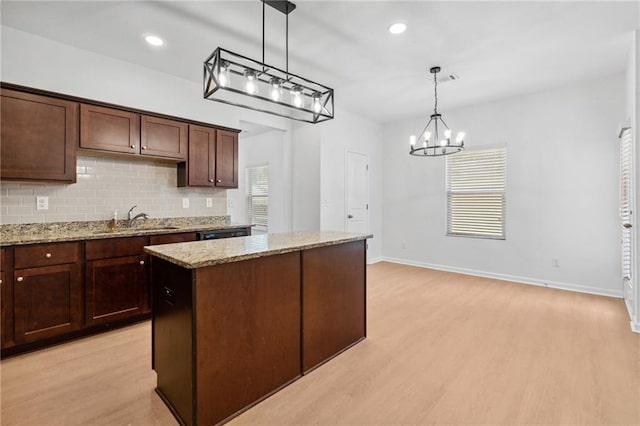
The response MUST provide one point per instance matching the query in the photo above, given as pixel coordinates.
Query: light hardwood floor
(442, 348)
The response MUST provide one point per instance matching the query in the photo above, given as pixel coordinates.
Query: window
(626, 203)
(258, 196)
(476, 193)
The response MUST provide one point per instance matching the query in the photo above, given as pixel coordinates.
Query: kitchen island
(236, 320)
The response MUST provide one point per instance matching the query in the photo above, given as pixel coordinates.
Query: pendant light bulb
(224, 76)
(317, 104)
(296, 97)
(424, 144)
(443, 142)
(427, 136)
(412, 141)
(276, 89)
(460, 137)
(447, 134)
(250, 85)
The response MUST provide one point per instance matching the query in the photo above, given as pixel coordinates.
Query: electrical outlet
(230, 203)
(209, 202)
(185, 203)
(42, 203)
(555, 262)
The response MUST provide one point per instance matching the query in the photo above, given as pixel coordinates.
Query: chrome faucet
(131, 218)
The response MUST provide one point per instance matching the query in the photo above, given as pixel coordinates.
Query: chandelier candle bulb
(427, 136)
(412, 141)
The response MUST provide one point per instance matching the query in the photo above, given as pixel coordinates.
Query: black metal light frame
(434, 146)
(317, 99)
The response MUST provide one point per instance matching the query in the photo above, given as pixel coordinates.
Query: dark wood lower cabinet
(116, 289)
(47, 302)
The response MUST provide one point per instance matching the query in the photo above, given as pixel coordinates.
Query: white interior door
(357, 184)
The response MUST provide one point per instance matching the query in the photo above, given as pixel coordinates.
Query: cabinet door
(226, 159)
(109, 129)
(47, 302)
(116, 289)
(163, 138)
(200, 164)
(39, 137)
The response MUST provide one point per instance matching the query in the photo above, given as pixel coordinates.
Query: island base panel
(248, 338)
(172, 335)
(333, 301)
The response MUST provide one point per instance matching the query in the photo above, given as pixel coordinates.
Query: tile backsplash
(104, 185)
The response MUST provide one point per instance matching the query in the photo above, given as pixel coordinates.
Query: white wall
(266, 148)
(306, 177)
(350, 132)
(562, 190)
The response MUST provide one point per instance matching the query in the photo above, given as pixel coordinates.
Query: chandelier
(438, 139)
(241, 81)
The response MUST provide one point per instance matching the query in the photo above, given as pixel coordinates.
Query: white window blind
(476, 182)
(626, 200)
(258, 196)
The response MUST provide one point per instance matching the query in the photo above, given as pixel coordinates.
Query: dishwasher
(223, 233)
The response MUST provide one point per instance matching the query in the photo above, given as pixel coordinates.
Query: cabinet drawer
(46, 255)
(3, 259)
(115, 247)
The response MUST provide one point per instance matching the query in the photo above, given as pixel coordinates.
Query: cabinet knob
(133, 146)
(210, 180)
(20, 279)
(144, 147)
(142, 262)
(0, 281)
(219, 180)
(48, 255)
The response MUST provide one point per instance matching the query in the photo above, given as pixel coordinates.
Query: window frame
(503, 192)
(249, 197)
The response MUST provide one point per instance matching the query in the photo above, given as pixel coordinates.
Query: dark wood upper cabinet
(212, 159)
(109, 129)
(163, 138)
(199, 169)
(226, 159)
(39, 137)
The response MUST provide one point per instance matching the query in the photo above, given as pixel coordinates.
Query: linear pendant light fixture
(241, 81)
(438, 139)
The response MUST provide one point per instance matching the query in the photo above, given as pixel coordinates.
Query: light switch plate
(42, 203)
(209, 202)
(185, 203)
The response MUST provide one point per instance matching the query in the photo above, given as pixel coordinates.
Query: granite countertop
(199, 254)
(34, 233)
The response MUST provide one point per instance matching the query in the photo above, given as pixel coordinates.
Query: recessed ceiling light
(153, 40)
(397, 28)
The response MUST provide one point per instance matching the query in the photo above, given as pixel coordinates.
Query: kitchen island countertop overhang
(199, 254)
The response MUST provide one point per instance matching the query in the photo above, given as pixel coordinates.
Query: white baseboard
(374, 260)
(514, 278)
(634, 322)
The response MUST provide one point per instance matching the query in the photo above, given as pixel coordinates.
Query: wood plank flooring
(442, 348)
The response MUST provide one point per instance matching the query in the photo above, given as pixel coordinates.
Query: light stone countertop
(35, 233)
(199, 254)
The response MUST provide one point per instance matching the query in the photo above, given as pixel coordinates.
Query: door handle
(627, 225)
(350, 216)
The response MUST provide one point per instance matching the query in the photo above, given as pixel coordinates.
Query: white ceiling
(498, 48)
